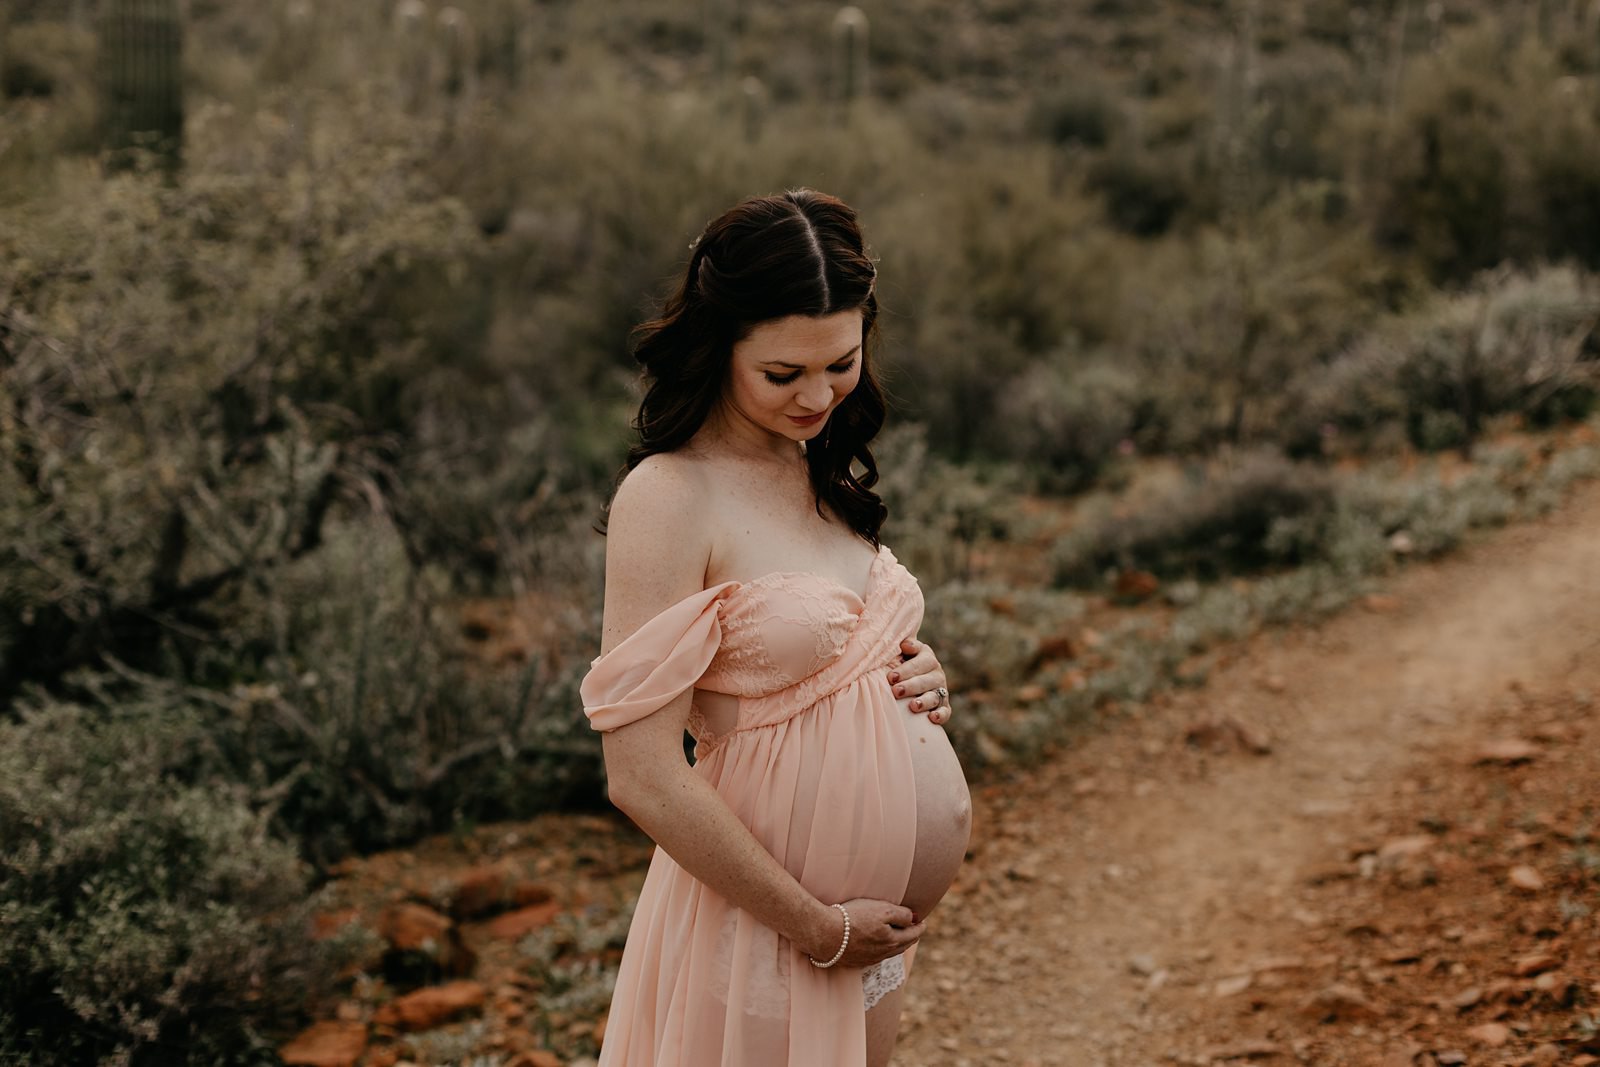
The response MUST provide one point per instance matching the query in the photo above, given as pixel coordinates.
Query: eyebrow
(801, 366)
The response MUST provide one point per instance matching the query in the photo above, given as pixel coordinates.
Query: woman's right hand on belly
(878, 930)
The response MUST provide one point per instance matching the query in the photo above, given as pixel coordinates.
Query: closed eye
(785, 379)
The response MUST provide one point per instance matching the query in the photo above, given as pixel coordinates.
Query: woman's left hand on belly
(920, 678)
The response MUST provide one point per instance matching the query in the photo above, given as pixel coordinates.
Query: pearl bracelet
(837, 956)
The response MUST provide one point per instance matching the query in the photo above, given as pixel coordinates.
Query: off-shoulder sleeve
(655, 663)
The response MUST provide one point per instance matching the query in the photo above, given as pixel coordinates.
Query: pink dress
(818, 766)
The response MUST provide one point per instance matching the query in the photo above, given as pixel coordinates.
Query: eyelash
(787, 379)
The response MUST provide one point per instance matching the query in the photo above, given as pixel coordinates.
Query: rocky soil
(1375, 840)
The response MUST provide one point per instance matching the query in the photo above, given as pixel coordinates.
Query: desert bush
(1513, 342)
(44, 59)
(256, 445)
(1065, 420)
(147, 913)
(1077, 115)
(1144, 191)
(940, 513)
(1434, 516)
(989, 635)
(360, 717)
(198, 376)
(1226, 321)
(1227, 523)
(1493, 156)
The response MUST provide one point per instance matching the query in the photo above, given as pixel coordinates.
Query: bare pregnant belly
(944, 814)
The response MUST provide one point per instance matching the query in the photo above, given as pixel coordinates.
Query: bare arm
(656, 554)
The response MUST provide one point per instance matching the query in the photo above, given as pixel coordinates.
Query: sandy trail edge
(1190, 858)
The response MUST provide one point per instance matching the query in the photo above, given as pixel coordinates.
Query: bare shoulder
(657, 542)
(665, 494)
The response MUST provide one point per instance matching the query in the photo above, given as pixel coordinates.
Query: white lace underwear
(881, 979)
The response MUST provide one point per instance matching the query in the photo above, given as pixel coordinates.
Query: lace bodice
(777, 643)
(780, 629)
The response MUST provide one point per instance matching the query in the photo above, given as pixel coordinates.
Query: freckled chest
(770, 522)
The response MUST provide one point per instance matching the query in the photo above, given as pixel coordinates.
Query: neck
(731, 433)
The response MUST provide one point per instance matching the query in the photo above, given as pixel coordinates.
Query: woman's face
(789, 374)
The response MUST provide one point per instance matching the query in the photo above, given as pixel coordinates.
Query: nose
(815, 397)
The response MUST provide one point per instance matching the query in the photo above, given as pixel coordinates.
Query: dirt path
(1113, 888)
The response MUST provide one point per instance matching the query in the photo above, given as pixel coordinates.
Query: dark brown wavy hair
(769, 257)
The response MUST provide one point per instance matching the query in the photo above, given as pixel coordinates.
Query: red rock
(1248, 1050)
(1506, 750)
(1340, 1002)
(327, 1044)
(1405, 1056)
(1324, 873)
(382, 1057)
(1031, 694)
(1228, 987)
(328, 924)
(1526, 878)
(413, 930)
(427, 1008)
(1381, 603)
(413, 927)
(1531, 965)
(1221, 733)
(1136, 585)
(536, 1058)
(1492, 1034)
(523, 921)
(526, 893)
(1397, 847)
(480, 891)
(1277, 963)
(1055, 647)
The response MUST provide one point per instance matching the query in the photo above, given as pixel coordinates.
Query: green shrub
(1144, 193)
(989, 635)
(1065, 421)
(362, 718)
(940, 513)
(147, 915)
(1514, 342)
(44, 59)
(1493, 156)
(1074, 115)
(1228, 523)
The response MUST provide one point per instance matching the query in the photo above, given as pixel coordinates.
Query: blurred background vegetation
(314, 378)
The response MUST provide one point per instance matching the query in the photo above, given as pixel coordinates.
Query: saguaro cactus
(753, 103)
(141, 78)
(719, 36)
(850, 53)
(456, 54)
(505, 44)
(413, 51)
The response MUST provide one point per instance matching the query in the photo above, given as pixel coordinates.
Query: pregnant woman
(749, 600)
